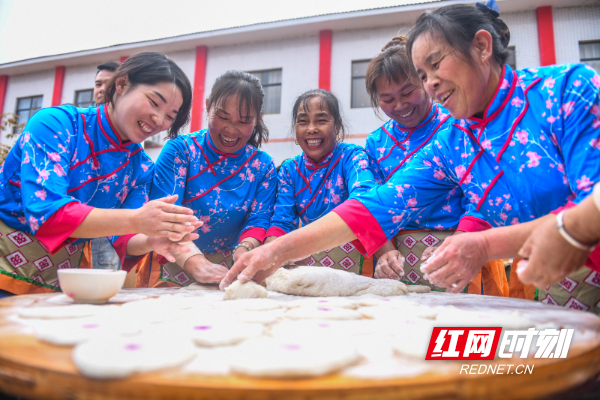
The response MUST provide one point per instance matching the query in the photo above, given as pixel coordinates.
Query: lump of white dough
(244, 290)
(330, 302)
(248, 305)
(280, 358)
(418, 289)
(118, 357)
(327, 282)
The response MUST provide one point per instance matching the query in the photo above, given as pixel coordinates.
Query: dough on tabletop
(244, 290)
(222, 333)
(397, 309)
(248, 304)
(413, 340)
(452, 316)
(291, 358)
(326, 282)
(70, 311)
(322, 313)
(73, 331)
(418, 289)
(331, 302)
(116, 357)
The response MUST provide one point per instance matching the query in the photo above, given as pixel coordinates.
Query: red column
(546, 35)
(59, 78)
(325, 59)
(3, 86)
(199, 78)
(123, 58)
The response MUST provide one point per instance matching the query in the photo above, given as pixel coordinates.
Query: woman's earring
(338, 139)
(296, 141)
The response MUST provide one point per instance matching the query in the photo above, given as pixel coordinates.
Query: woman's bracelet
(247, 247)
(572, 241)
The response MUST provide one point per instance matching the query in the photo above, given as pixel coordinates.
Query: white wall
(35, 84)
(299, 60)
(572, 25)
(80, 77)
(524, 36)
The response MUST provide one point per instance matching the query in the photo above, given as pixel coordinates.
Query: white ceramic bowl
(93, 286)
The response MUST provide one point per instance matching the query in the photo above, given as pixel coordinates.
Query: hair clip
(490, 7)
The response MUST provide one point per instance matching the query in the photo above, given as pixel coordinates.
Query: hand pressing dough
(322, 313)
(63, 312)
(248, 305)
(326, 282)
(246, 290)
(331, 302)
(272, 358)
(115, 357)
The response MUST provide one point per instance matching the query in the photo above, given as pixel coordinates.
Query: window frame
(18, 99)
(352, 77)
(84, 90)
(514, 49)
(280, 84)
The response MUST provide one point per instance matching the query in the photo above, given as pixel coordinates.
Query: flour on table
(292, 359)
(248, 304)
(322, 313)
(62, 312)
(451, 316)
(331, 302)
(115, 357)
(244, 290)
(221, 333)
(326, 282)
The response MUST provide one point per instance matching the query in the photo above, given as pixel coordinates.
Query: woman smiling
(222, 176)
(323, 176)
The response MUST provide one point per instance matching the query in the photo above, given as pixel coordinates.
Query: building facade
(293, 56)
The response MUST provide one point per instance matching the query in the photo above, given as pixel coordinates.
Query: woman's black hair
(457, 24)
(151, 68)
(393, 64)
(249, 91)
(326, 98)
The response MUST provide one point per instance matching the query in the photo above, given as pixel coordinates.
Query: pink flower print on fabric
(33, 223)
(577, 83)
(42, 175)
(549, 104)
(486, 144)
(41, 194)
(397, 218)
(58, 170)
(595, 110)
(439, 174)
(515, 221)
(26, 160)
(447, 208)
(205, 227)
(534, 159)
(145, 167)
(584, 183)
(551, 119)
(181, 172)
(474, 197)
(339, 182)
(549, 83)
(427, 163)
(265, 185)
(54, 156)
(250, 175)
(400, 190)
(412, 202)
(460, 172)
(522, 136)
(568, 108)
(256, 164)
(517, 102)
(596, 80)
(505, 84)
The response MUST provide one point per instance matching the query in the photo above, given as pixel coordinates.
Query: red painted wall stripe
(123, 58)
(59, 79)
(545, 26)
(3, 87)
(199, 78)
(325, 59)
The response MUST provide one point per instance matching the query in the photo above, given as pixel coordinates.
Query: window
(27, 106)
(589, 53)
(360, 97)
(511, 60)
(271, 83)
(84, 98)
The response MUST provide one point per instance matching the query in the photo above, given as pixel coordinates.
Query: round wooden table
(35, 370)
